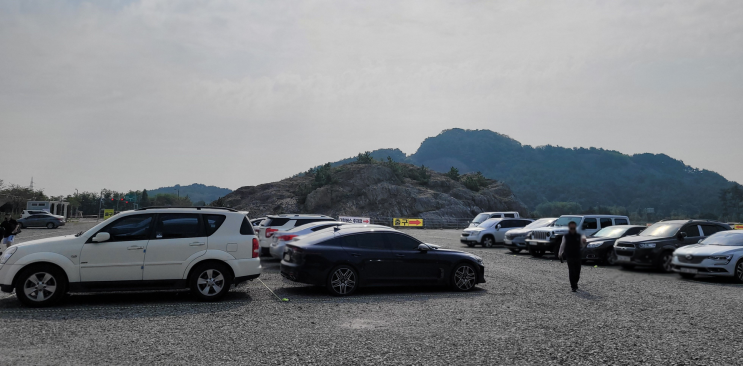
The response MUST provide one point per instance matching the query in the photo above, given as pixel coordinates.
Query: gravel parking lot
(524, 314)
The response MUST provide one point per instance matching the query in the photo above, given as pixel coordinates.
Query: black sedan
(344, 258)
(600, 246)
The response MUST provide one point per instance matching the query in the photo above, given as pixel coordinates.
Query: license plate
(287, 257)
(688, 270)
(622, 258)
(533, 243)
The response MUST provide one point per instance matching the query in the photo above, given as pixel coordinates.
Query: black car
(655, 245)
(345, 258)
(600, 246)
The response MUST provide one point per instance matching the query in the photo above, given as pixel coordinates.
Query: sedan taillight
(270, 232)
(256, 248)
(287, 237)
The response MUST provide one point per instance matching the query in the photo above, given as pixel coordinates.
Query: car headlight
(7, 254)
(595, 244)
(646, 245)
(721, 258)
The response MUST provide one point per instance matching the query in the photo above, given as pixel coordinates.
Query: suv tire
(463, 277)
(488, 241)
(665, 262)
(210, 281)
(610, 258)
(739, 271)
(40, 285)
(342, 281)
(513, 250)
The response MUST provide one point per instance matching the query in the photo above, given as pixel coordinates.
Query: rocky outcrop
(375, 190)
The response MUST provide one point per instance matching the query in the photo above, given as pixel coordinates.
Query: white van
(479, 219)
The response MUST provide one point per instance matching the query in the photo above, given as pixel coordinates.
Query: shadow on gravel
(377, 294)
(125, 305)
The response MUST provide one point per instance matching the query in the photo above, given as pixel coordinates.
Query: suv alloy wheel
(488, 241)
(40, 285)
(611, 257)
(210, 281)
(665, 263)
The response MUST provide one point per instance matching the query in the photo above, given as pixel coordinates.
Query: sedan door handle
(355, 255)
(134, 247)
(399, 255)
(196, 244)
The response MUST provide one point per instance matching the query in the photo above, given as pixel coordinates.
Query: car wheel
(210, 281)
(687, 276)
(342, 281)
(40, 285)
(628, 266)
(739, 271)
(536, 253)
(488, 242)
(464, 277)
(50, 225)
(514, 250)
(610, 258)
(666, 262)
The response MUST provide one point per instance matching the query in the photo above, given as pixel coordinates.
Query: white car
(29, 213)
(480, 218)
(203, 249)
(491, 231)
(284, 222)
(280, 238)
(720, 254)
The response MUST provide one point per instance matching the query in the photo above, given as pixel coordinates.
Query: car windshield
(539, 223)
(610, 232)
(489, 223)
(726, 238)
(662, 230)
(565, 220)
(480, 218)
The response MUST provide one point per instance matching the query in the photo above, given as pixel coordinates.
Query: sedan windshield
(610, 232)
(726, 238)
(480, 218)
(539, 223)
(662, 230)
(565, 220)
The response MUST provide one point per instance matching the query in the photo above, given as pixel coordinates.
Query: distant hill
(588, 176)
(196, 192)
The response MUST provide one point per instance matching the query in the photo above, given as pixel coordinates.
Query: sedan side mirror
(423, 247)
(100, 237)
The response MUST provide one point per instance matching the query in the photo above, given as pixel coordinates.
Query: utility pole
(100, 201)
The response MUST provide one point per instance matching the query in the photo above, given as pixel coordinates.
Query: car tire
(40, 285)
(488, 241)
(628, 266)
(665, 262)
(210, 281)
(463, 277)
(50, 225)
(516, 251)
(536, 253)
(610, 258)
(687, 276)
(342, 281)
(739, 271)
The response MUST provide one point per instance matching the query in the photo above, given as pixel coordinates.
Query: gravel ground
(524, 314)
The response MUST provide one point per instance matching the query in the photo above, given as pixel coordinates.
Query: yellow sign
(407, 222)
(107, 213)
(738, 227)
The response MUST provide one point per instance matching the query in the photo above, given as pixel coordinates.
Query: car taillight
(287, 237)
(270, 232)
(256, 248)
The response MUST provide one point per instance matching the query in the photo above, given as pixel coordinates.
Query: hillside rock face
(373, 190)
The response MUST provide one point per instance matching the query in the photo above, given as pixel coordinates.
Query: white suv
(203, 249)
(284, 222)
(479, 219)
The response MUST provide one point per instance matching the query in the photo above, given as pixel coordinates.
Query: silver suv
(283, 222)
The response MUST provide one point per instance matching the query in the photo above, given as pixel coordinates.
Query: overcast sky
(233, 93)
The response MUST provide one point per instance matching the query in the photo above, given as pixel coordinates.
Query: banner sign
(738, 227)
(107, 213)
(355, 220)
(407, 222)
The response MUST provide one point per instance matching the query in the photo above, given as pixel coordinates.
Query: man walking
(572, 243)
(10, 228)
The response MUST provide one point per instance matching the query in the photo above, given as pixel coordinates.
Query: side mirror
(497, 227)
(700, 240)
(101, 237)
(423, 247)
(680, 236)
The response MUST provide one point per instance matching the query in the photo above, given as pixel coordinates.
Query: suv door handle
(196, 244)
(134, 247)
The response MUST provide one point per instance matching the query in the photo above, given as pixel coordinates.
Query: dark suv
(655, 245)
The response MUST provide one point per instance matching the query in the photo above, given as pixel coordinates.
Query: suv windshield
(480, 218)
(726, 238)
(489, 222)
(662, 230)
(610, 232)
(565, 220)
(539, 223)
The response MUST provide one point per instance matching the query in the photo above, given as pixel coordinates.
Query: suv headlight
(595, 244)
(646, 245)
(7, 254)
(721, 258)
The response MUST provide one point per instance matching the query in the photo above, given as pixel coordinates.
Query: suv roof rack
(194, 207)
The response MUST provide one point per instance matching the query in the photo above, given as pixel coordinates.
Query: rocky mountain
(376, 190)
(196, 192)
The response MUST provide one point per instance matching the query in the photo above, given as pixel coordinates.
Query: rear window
(301, 222)
(213, 222)
(278, 221)
(246, 228)
(621, 221)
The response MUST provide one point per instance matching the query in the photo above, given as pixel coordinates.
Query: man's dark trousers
(574, 266)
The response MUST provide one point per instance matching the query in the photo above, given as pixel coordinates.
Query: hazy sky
(232, 93)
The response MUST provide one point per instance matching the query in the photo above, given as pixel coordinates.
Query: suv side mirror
(681, 235)
(100, 237)
(497, 227)
(423, 247)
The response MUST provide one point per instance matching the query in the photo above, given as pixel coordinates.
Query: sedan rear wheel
(50, 225)
(739, 271)
(464, 277)
(342, 281)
